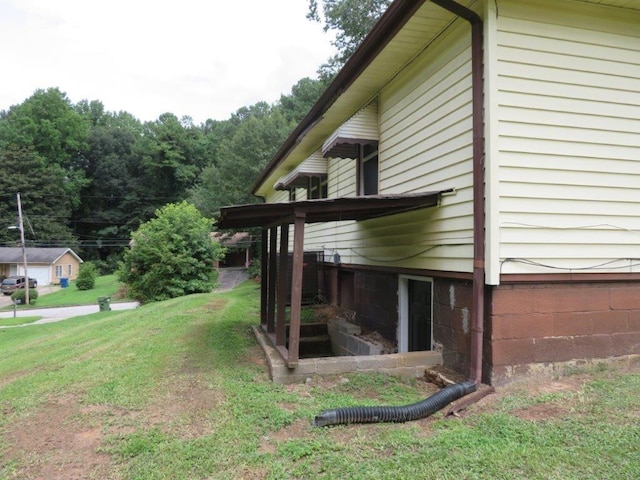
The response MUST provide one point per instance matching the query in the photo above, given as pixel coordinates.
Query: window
(70, 270)
(368, 170)
(317, 188)
(292, 194)
(58, 271)
(415, 309)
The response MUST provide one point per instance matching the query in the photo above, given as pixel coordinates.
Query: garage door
(41, 274)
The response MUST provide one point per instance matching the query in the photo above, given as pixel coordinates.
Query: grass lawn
(179, 390)
(5, 322)
(106, 286)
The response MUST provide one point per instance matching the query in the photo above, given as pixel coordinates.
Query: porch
(275, 219)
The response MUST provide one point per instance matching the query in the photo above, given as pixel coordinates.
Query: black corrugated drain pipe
(405, 413)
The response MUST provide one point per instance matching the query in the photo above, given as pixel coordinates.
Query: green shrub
(255, 268)
(87, 276)
(171, 255)
(19, 295)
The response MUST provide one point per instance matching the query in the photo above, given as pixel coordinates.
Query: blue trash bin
(64, 282)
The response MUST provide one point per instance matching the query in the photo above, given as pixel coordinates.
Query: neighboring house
(46, 265)
(482, 184)
(238, 248)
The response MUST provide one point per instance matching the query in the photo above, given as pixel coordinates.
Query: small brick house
(46, 265)
(471, 179)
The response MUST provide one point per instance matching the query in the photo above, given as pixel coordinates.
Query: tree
(168, 149)
(48, 123)
(109, 209)
(44, 199)
(304, 95)
(242, 157)
(351, 19)
(171, 255)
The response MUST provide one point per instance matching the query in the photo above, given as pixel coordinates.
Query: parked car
(11, 284)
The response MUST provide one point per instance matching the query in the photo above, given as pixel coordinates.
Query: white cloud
(204, 59)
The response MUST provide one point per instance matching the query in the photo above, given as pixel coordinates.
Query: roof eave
(396, 16)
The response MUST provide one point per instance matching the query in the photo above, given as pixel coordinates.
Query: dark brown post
(282, 285)
(273, 273)
(333, 285)
(296, 289)
(264, 279)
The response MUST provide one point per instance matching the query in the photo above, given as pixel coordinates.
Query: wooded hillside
(89, 177)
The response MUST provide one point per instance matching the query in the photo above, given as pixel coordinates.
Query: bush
(19, 295)
(255, 269)
(87, 276)
(171, 255)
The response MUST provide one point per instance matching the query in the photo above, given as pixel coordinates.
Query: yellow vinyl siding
(425, 144)
(278, 196)
(568, 126)
(342, 183)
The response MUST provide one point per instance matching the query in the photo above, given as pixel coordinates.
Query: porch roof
(325, 210)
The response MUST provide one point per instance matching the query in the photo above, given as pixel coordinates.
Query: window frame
(317, 187)
(363, 181)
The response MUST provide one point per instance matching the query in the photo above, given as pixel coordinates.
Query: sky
(199, 58)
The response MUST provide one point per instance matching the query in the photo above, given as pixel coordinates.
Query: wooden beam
(281, 302)
(273, 271)
(281, 349)
(264, 258)
(296, 289)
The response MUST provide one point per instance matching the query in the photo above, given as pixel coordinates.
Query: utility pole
(24, 251)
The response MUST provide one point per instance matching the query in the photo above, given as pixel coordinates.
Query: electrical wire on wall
(632, 262)
(609, 265)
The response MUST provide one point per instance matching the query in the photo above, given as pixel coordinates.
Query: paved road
(61, 313)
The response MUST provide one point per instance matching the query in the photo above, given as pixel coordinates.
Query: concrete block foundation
(404, 364)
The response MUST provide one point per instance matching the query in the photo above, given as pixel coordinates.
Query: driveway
(229, 278)
(5, 300)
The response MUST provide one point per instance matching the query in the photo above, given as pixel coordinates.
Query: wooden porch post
(273, 271)
(264, 280)
(296, 289)
(281, 303)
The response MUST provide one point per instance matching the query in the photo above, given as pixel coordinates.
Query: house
(472, 180)
(238, 248)
(46, 265)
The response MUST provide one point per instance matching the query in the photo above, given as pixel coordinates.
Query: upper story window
(317, 188)
(367, 174)
(310, 174)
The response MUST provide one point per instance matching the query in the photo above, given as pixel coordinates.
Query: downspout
(477, 313)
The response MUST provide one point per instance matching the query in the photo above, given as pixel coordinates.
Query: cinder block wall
(376, 303)
(533, 328)
(345, 342)
(452, 302)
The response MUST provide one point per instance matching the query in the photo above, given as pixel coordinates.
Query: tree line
(89, 177)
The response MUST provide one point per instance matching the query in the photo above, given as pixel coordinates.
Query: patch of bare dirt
(533, 387)
(57, 443)
(64, 439)
(543, 411)
(185, 408)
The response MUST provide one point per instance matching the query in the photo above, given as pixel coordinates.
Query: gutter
(477, 313)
